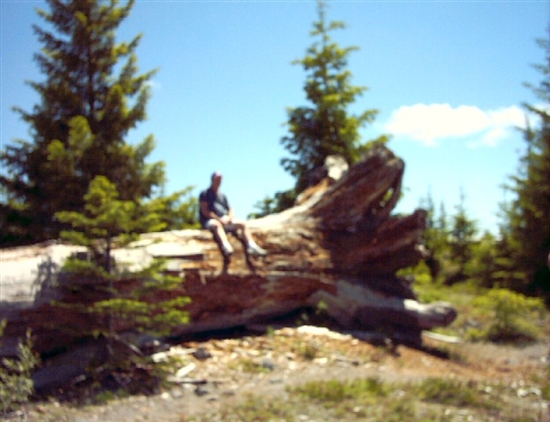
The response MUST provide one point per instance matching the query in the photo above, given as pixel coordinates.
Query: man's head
(216, 180)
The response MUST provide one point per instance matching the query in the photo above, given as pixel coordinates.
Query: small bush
(16, 385)
(515, 317)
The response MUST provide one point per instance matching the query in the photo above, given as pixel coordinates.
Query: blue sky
(446, 76)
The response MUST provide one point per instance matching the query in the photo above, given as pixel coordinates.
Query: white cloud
(430, 124)
(490, 138)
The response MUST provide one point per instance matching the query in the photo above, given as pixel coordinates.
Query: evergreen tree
(107, 219)
(265, 207)
(325, 127)
(442, 223)
(177, 211)
(462, 239)
(92, 96)
(527, 217)
(436, 235)
(483, 266)
(452, 243)
(150, 305)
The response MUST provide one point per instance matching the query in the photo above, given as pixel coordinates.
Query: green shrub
(16, 384)
(108, 222)
(515, 317)
(117, 295)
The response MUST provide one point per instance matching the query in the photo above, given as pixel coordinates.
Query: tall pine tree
(92, 96)
(527, 217)
(325, 127)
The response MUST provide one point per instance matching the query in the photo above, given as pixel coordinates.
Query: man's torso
(217, 203)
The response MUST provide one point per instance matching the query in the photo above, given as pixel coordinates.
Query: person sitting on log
(216, 215)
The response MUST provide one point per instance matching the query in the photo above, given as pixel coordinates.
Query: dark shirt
(217, 203)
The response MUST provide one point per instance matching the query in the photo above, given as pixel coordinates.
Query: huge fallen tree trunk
(340, 247)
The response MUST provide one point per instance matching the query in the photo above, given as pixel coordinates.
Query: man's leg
(221, 237)
(252, 247)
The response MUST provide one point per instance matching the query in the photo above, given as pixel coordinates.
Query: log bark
(338, 249)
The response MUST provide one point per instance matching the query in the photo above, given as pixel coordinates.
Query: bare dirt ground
(231, 369)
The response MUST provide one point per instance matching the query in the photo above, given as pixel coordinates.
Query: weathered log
(339, 247)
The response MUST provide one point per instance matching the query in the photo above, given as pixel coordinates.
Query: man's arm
(210, 214)
(206, 211)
